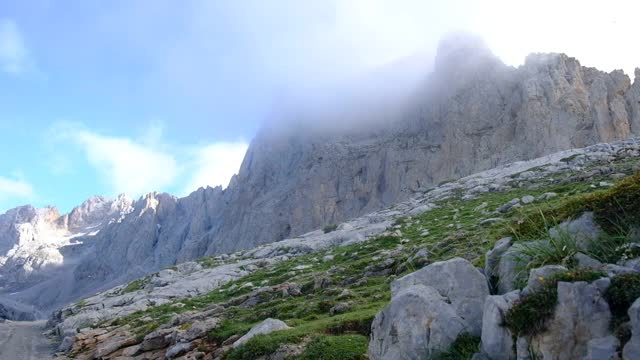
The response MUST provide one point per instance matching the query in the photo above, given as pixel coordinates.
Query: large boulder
(418, 323)
(632, 348)
(582, 315)
(605, 348)
(459, 282)
(583, 230)
(429, 309)
(497, 339)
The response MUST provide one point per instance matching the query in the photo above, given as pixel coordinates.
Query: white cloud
(15, 189)
(138, 166)
(14, 56)
(215, 165)
(128, 166)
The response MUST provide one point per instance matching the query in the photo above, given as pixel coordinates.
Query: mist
(304, 60)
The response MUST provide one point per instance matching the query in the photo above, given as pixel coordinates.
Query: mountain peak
(462, 49)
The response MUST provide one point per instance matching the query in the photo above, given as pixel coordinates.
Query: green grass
(344, 347)
(135, 285)
(453, 231)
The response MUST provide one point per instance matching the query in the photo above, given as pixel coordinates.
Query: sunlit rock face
(40, 244)
(472, 113)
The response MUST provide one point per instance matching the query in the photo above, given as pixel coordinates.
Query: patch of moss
(329, 228)
(344, 347)
(462, 348)
(135, 285)
(569, 158)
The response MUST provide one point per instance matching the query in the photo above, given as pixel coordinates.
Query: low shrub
(622, 292)
(262, 345)
(329, 228)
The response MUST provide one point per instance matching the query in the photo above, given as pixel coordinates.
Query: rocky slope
(314, 168)
(40, 246)
(440, 258)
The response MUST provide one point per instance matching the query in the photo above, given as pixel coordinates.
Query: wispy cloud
(14, 55)
(140, 165)
(126, 165)
(17, 189)
(215, 164)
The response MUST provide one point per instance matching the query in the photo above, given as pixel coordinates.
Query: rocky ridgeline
(429, 309)
(40, 246)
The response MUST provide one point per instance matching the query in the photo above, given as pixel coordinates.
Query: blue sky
(104, 97)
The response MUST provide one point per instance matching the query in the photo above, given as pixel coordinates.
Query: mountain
(40, 246)
(312, 166)
(535, 259)
(310, 169)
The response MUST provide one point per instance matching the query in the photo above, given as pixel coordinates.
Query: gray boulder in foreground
(582, 315)
(497, 340)
(418, 323)
(429, 309)
(464, 287)
(632, 348)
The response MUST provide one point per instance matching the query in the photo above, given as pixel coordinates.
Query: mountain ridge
(472, 113)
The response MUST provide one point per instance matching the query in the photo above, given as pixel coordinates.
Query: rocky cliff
(39, 248)
(557, 235)
(308, 170)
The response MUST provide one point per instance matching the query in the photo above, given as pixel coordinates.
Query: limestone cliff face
(470, 114)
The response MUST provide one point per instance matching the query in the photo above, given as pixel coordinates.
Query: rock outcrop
(429, 309)
(40, 245)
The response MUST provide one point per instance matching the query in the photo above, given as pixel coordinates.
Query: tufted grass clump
(462, 348)
(530, 314)
(344, 347)
(263, 345)
(622, 292)
(330, 228)
(615, 209)
(135, 285)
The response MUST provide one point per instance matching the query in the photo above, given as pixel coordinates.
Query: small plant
(530, 314)
(135, 285)
(462, 348)
(329, 228)
(614, 248)
(622, 292)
